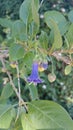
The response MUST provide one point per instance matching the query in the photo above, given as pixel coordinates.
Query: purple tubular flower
(34, 77)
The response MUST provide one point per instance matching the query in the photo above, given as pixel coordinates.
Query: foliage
(10, 8)
(35, 43)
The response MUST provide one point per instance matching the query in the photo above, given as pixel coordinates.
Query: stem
(41, 3)
(13, 86)
(52, 65)
(19, 88)
(66, 42)
(57, 54)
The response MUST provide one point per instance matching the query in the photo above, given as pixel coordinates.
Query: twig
(4, 53)
(57, 54)
(13, 86)
(59, 57)
(19, 88)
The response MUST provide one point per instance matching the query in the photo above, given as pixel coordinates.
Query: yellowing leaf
(13, 64)
(51, 77)
(67, 69)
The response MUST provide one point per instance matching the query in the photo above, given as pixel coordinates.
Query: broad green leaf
(43, 39)
(33, 92)
(3, 100)
(57, 43)
(19, 30)
(18, 125)
(70, 16)
(28, 59)
(58, 18)
(5, 22)
(33, 29)
(51, 37)
(69, 35)
(35, 15)
(46, 115)
(51, 129)
(7, 91)
(5, 116)
(16, 52)
(25, 12)
(57, 37)
(13, 112)
(68, 69)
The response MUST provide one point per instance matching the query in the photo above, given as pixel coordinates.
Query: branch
(19, 88)
(57, 54)
(13, 86)
(4, 53)
(59, 57)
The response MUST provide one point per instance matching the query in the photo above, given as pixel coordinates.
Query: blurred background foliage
(61, 90)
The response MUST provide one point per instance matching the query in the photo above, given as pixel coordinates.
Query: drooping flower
(34, 77)
(42, 66)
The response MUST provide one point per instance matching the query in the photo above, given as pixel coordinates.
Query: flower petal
(34, 77)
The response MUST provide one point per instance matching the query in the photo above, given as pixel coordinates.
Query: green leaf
(68, 69)
(59, 19)
(44, 40)
(16, 52)
(28, 59)
(51, 129)
(51, 37)
(33, 92)
(33, 29)
(19, 30)
(25, 12)
(5, 22)
(13, 113)
(5, 116)
(35, 15)
(18, 125)
(70, 16)
(7, 91)
(46, 115)
(57, 37)
(69, 35)
(3, 100)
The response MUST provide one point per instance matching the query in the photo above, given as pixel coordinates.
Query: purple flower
(34, 77)
(42, 66)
